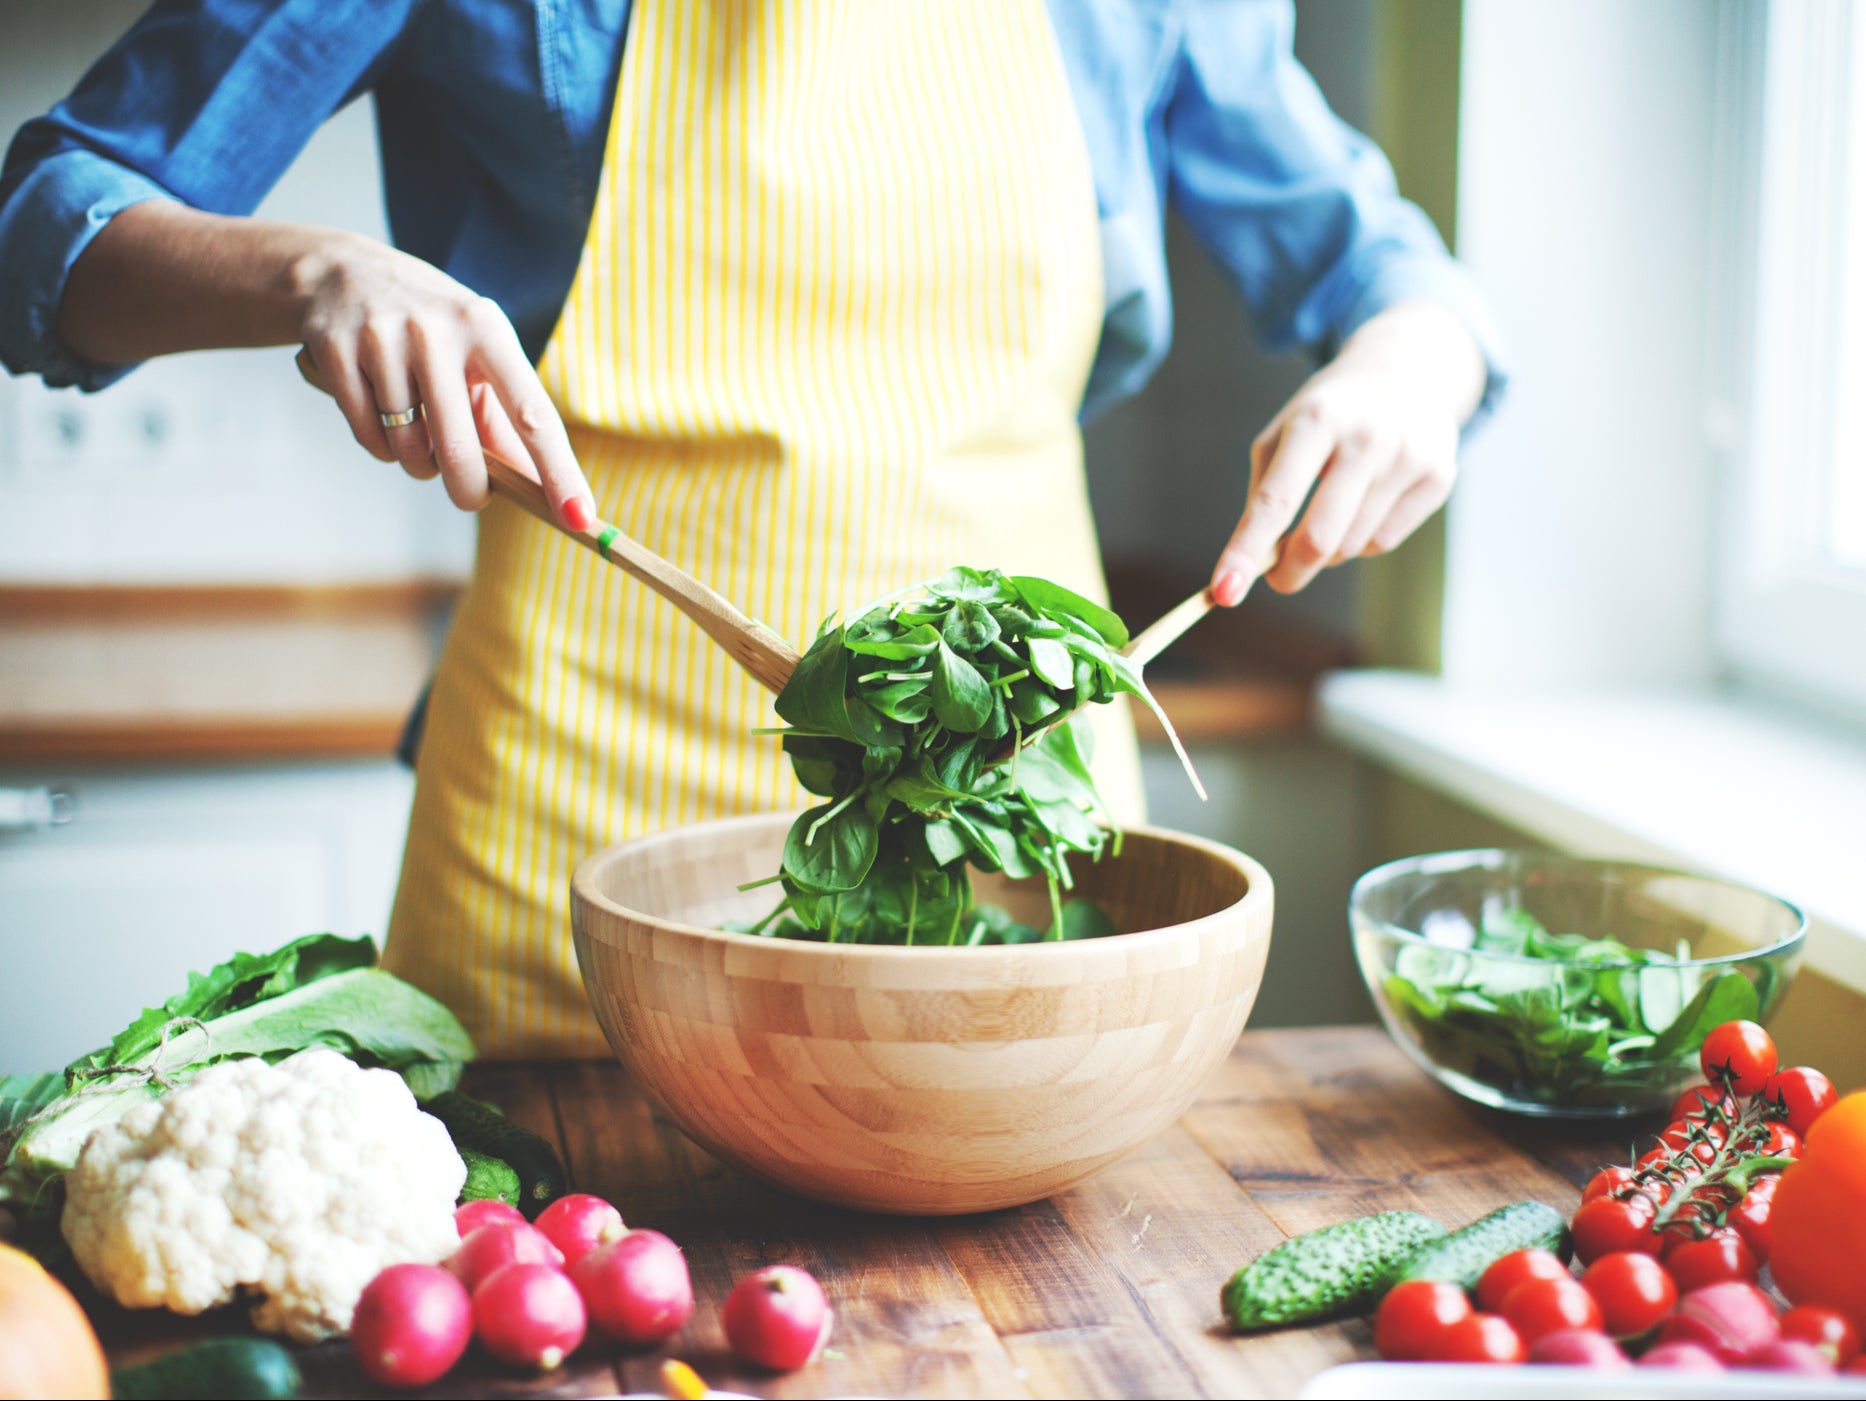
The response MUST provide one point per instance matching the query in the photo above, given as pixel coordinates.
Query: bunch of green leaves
(939, 726)
(317, 991)
(1563, 1018)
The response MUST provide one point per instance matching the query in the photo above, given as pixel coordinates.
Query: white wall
(209, 467)
(1580, 535)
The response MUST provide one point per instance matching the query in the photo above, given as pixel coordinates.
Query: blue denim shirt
(492, 116)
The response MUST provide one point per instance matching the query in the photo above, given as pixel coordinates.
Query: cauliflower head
(298, 1181)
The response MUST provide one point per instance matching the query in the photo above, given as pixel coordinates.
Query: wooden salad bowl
(918, 1081)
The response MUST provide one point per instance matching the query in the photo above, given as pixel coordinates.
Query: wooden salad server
(767, 656)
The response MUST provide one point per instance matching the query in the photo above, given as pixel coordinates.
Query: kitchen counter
(1109, 1289)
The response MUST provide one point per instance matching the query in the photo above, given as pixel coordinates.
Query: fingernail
(1229, 590)
(579, 512)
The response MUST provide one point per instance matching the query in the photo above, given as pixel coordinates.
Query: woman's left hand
(1378, 427)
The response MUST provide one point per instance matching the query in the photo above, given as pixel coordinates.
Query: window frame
(1791, 92)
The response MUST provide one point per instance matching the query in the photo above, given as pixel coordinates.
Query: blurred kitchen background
(215, 609)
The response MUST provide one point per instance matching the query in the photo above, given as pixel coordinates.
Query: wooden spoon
(767, 656)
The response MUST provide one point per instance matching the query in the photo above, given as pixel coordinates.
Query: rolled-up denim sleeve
(202, 101)
(1300, 209)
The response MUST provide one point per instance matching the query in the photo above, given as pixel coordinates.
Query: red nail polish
(578, 513)
(1230, 588)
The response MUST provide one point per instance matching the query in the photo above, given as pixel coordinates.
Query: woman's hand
(382, 331)
(1378, 426)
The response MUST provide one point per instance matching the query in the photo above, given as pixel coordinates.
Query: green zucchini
(1337, 1269)
(483, 1129)
(1462, 1257)
(488, 1179)
(220, 1367)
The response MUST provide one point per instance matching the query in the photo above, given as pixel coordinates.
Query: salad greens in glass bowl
(1561, 985)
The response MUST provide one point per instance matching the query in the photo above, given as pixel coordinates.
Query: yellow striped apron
(828, 337)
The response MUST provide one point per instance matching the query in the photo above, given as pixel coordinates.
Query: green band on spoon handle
(605, 538)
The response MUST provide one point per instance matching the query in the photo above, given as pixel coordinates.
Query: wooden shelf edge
(203, 739)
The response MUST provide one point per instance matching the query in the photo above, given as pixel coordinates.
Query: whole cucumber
(483, 1129)
(1337, 1269)
(219, 1367)
(1462, 1257)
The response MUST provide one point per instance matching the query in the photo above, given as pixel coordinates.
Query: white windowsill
(1717, 783)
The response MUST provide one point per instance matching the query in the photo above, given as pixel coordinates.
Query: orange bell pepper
(1818, 1220)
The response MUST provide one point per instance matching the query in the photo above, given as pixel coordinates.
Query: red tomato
(1607, 1224)
(1540, 1306)
(1518, 1267)
(1826, 1330)
(1719, 1256)
(1606, 1182)
(1740, 1054)
(1750, 1217)
(1696, 1133)
(1633, 1290)
(1802, 1093)
(1697, 1101)
(1483, 1337)
(1412, 1319)
(1781, 1142)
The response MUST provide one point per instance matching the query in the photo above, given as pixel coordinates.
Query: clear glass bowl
(1447, 944)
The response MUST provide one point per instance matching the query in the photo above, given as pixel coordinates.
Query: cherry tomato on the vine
(1502, 1277)
(1539, 1306)
(1719, 1256)
(1483, 1337)
(1633, 1290)
(1607, 1224)
(1749, 1218)
(1695, 1133)
(1696, 1102)
(1802, 1093)
(1606, 1182)
(1782, 1142)
(1827, 1330)
(1740, 1053)
(1412, 1319)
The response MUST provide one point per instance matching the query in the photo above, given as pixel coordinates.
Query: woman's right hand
(384, 332)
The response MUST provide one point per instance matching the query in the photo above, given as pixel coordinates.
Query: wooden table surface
(1108, 1290)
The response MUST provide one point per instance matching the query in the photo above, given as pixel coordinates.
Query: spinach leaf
(831, 847)
(961, 699)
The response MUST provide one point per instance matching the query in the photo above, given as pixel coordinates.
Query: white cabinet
(165, 870)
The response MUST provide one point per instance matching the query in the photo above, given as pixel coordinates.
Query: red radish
(1578, 1347)
(1729, 1319)
(637, 1288)
(412, 1323)
(1684, 1357)
(529, 1315)
(578, 1223)
(470, 1216)
(1790, 1355)
(778, 1318)
(502, 1243)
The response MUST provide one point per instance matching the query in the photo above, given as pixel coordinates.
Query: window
(1792, 613)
